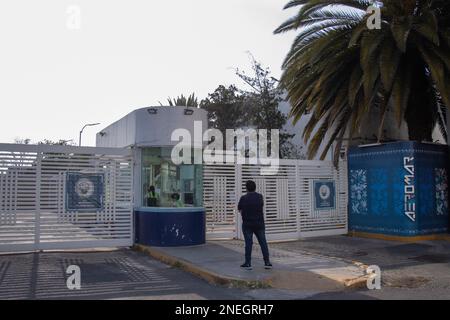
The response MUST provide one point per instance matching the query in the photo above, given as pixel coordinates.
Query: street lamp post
(87, 125)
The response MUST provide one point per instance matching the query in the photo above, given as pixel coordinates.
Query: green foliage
(22, 141)
(233, 108)
(339, 70)
(226, 109)
(60, 142)
(57, 143)
(262, 101)
(182, 101)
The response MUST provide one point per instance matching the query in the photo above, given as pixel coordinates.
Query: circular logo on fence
(324, 192)
(84, 188)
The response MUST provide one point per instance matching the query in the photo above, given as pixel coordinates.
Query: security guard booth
(168, 198)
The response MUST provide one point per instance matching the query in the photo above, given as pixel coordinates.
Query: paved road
(104, 275)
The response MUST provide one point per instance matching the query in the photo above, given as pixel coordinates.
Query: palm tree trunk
(421, 114)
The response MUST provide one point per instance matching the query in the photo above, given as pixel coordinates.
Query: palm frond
(338, 70)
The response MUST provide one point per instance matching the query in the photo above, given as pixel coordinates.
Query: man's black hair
(251, 186)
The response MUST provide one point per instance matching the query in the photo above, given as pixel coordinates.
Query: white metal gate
(289, 207)
(34, 197)
(219, 200)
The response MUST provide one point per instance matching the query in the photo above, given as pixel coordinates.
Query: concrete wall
(297, 129)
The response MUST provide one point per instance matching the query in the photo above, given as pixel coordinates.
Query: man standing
(251, 208)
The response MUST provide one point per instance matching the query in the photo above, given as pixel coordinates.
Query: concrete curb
(433, 237)
(360, 282)
(205, 274)
(217, 279)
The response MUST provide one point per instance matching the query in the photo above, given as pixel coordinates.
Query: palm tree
(182, 101)
(338, 69)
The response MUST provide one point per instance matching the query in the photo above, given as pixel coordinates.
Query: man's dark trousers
(259, 232)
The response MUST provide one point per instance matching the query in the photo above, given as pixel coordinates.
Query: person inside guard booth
(152, 197)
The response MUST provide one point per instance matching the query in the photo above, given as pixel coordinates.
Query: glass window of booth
(165, 184)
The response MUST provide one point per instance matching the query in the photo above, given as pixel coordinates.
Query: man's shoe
(247, 266)
(268, 266)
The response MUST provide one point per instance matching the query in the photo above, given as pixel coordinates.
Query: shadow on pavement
(104, 275)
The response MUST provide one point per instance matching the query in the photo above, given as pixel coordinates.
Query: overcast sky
(127, 54)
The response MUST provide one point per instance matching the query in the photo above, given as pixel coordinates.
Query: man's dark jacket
(251, 206)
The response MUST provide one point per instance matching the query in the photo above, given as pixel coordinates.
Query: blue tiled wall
(377, 189)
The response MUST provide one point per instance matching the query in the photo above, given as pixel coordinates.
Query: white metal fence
(289, 199)
(34, 197)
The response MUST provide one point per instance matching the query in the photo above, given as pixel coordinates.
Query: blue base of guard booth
(398, 189)
(170, 227)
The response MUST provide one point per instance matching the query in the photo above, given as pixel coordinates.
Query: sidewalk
(422, 268)
(218, 262)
